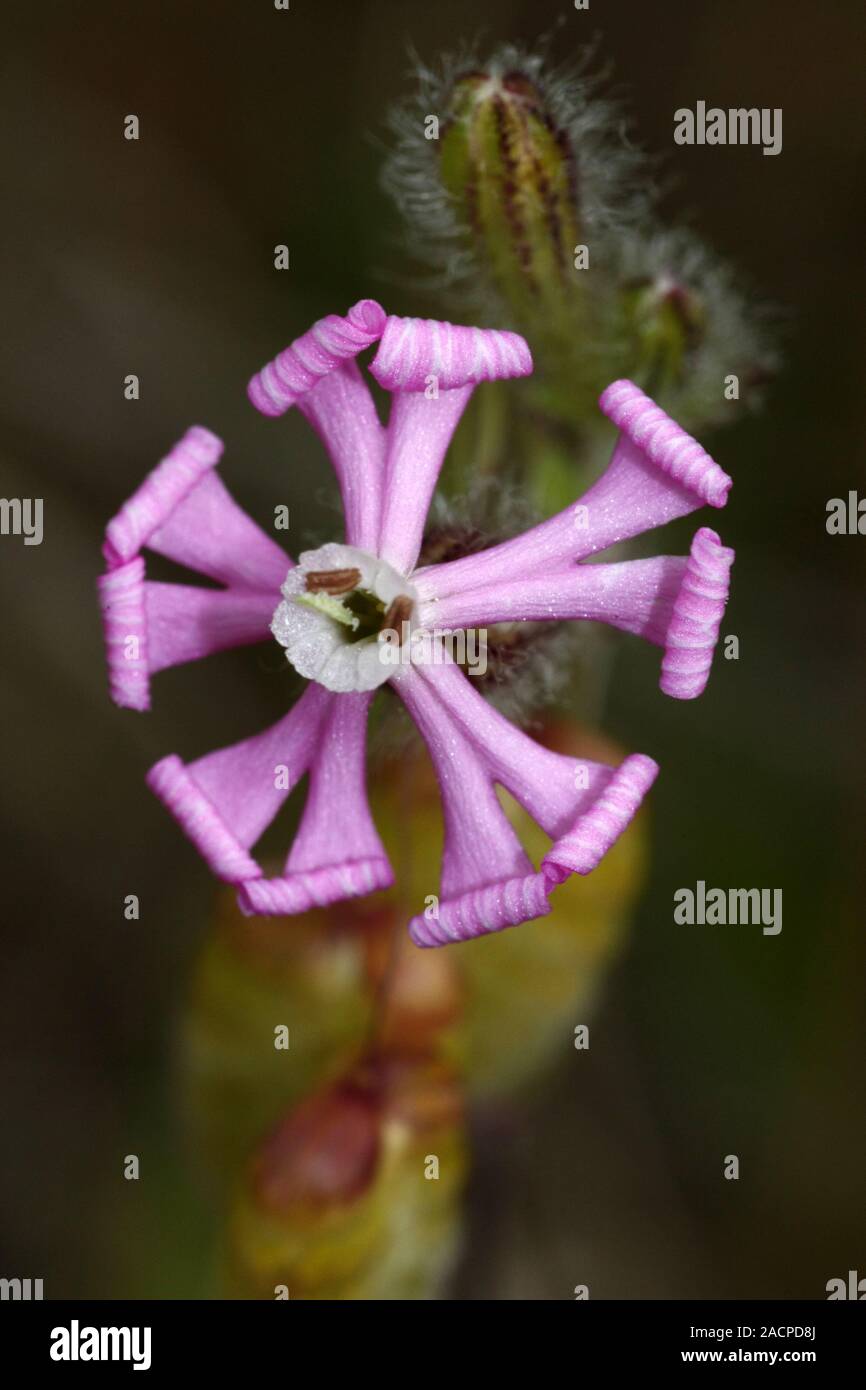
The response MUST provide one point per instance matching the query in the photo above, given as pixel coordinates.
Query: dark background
(156, 257)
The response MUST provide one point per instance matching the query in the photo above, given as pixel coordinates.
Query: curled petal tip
(202, 444)
(200, 821)
(664, 442)
(485, 910)
(161, 492)
(303, 890)
(301, 365)
(583, 847)
(368, 316)
(124, 622)
(697, 615)
(412, 351)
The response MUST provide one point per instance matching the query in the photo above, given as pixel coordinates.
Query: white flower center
(334, 630)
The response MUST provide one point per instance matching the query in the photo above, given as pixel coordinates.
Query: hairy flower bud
(512, 175)
(690, 337)
(666, 321)
(518, 182)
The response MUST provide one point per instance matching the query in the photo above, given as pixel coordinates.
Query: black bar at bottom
(70, 1338)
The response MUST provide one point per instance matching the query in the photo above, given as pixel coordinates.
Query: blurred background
(155, 257)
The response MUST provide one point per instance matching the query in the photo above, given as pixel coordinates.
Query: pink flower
(342, 610)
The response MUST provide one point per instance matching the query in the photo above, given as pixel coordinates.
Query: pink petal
(225, 800)
(185, 623)
(211, 534)
(487, 881)
(183, 511)
(419, 432)
(318, 373)
(676, 602)
(691, 636)
(652, 433)
(657, 472)
(628, 595)
(161, 492)
(336, 853)
(552, 787)
(584, 845)
(149, 627)
(412, 351)
(311, 357)
(341, 410)
(432, 369)
(124, 625)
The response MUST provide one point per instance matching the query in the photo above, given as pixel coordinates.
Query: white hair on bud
(613, 184)
(736, 334)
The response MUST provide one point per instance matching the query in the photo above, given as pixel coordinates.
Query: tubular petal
(284, 897)
(419, 432)
(656, 473)
(211, 534)
(675, 601)
(199, 820)
(664, 442)
(225, 800)
(487, 881)
(432, 369)
(553, 788)
(628, 595)
(336, 853)
(149, 627)
(318, 373)
(341, 410)
(504, 904)
(186, 623)
(183, 511)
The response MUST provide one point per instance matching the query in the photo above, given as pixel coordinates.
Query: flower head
(340, 610)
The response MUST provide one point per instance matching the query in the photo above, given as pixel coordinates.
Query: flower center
(340, 604)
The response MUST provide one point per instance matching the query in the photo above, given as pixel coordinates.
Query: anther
(397, 617)
(333, 581)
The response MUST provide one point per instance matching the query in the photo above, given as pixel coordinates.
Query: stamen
(399, 613)
(332, 581)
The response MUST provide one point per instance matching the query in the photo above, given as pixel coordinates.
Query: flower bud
(690, 337)
(512, 175)
(532, 202)
(666, 323)
(356, 1193)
